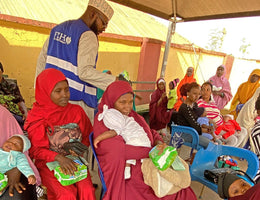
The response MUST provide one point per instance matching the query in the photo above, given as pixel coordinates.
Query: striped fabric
(212, 111)
(256, 141)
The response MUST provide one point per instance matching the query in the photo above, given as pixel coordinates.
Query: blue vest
(62, 55)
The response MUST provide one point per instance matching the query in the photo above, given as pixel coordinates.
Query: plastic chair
(188, 130)
(104, 187)
(206, 159)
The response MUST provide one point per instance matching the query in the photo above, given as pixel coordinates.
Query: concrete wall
(21, 41)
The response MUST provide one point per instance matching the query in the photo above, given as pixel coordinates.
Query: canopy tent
(192, 10)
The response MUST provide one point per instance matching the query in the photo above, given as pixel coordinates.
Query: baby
(206, 123)
(11, 156)
(228, 130)
(172, 97)
(125, 126)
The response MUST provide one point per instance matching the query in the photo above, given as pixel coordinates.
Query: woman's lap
(55, 191)
(203, 141)
(112, 161)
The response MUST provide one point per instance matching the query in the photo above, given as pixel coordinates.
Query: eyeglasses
(104, 22)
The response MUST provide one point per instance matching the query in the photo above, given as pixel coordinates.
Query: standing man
(72, 48)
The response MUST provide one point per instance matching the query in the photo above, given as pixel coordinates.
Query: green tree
(216, 39)
(243, 49)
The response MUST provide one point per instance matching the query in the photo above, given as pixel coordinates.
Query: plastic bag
(3, 181)
(79, 175)
(165, 159)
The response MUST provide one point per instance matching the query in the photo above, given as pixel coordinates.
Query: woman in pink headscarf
(158, 113)
(221, 88)
(113, 152)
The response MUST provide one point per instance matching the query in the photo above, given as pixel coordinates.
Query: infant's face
(204, 114)
(226, 118)
(14, 143)
(238, 187)
(170, 86)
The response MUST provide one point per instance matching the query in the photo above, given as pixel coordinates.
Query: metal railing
(143, 82)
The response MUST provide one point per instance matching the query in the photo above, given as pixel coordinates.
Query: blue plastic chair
(206, 159)
(188, 130)
(104, 187)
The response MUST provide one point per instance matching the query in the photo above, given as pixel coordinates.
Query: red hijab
(156, 95)
(110, 96)
(47, 113)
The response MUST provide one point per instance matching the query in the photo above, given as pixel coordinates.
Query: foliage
(243, 49)
(216, 39)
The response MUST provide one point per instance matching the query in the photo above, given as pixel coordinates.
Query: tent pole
(171, 31)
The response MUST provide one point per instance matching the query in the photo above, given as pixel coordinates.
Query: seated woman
(255, 134)
(50, 111)
(113, 152)
(221, 88)
(19, 189)
(210, 106)
(188, 78)
(187, 113)
(247, 116)
(244, 92)
(233, 187)
(11, 98)
(213, 113)
(158, 113)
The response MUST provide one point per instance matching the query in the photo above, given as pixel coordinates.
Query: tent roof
(194, 10)
(125, 21)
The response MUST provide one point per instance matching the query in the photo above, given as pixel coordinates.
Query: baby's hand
(96, 141)
(31, 180)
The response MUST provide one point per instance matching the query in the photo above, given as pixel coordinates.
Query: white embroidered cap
(103, 7)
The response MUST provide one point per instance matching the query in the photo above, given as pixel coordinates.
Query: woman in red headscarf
(50, 110)
(113, 152)
(188, 78)
(158, 113)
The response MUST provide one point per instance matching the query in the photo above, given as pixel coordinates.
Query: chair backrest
(104, 187)
(249, 156)
(188, 130)
(206, 159)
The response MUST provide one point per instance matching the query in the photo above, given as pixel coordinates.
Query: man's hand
(14, 176)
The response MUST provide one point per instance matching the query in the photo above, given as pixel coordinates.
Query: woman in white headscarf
(247, 115)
